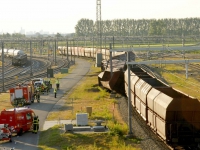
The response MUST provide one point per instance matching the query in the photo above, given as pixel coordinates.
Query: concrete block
(82, 128)
(82, 119)
(99, 129)
(68, 127)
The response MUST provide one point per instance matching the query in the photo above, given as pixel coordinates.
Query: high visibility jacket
(57, 81)
(55, 90)
(35, 124)
(37, 89)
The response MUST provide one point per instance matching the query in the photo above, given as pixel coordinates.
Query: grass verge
(175, 76)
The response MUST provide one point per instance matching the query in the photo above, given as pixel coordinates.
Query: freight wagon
(86, 52)
(171, 114)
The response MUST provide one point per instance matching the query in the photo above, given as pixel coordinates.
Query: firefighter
(57, 83)
(37, 89)
(38, 93)
(47, 89)
(55, 92)
(50, 82)
(42, 88)
(35, 124)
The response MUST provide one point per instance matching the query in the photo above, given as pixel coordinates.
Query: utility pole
(3, 90)
(67, 51)
(31, 73)
(130, 133)
(55, 51)
(99, 28)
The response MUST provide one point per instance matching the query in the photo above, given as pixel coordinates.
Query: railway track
(22, 74)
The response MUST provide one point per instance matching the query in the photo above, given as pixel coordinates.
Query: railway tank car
(11, 52)
(14, 52)
(171, 114)
(19, 60)
(5, 51)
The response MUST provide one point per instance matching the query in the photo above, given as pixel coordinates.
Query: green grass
(5, 101)
(175, 76)
(53, 139)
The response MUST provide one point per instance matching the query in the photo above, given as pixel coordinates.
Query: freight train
(18, 57)
(171, 114)
(85, 52)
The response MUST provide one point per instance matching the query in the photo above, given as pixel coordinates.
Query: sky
(61, 16)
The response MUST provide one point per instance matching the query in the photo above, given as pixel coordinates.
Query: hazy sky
(62, 15)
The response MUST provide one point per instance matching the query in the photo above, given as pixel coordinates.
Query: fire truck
(5, 133)
(19, 120)
(22, 94)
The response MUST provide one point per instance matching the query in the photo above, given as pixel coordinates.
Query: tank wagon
(11, 52)
(5, 51)
(14, 52)
(19, 60)
(173, 115)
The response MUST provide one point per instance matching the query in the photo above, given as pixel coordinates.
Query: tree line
(140, 27)
(14, 35)
(21, 36)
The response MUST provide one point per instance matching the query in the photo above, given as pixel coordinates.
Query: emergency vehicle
(22, 95)
(39, 82)
(19, 120)
(5, 133)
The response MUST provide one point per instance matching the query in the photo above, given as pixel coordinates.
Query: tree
(157, 27)
(58, 35)
(84, 27)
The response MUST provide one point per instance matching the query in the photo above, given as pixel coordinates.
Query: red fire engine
(5, 133)
(21, 95)
(19, 120)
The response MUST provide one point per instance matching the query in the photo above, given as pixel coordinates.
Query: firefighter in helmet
(35, 124)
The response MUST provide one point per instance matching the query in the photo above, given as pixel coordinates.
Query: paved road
(28, 141)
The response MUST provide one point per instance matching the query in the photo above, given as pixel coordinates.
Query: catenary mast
(98, 25)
